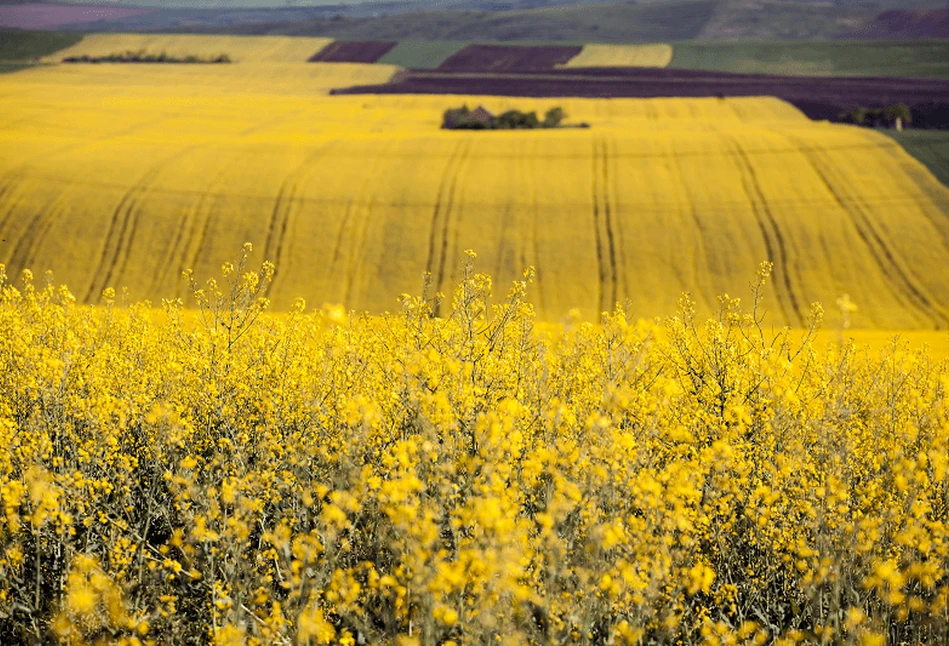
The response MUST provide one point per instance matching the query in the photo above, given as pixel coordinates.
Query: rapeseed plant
(453, 473)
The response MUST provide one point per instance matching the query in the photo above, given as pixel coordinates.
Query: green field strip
(908, 58)
(421, 54)
(24, 46)
(931, 147)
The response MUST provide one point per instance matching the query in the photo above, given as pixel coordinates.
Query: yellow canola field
(261, 49)
(657, 55)
(113, 177)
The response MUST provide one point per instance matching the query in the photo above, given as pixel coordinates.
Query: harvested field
(622, 56)
(240, 49)
(41, 15)
(508, 58)
(354, 197)
(344, 51)
(818, 97)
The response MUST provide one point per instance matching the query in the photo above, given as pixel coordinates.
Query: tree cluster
(464, 118)
(142, 56)
(887, 117)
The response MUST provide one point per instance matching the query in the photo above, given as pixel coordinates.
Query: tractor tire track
(602, 221)
(883, 256)
(360, 230)
(282, 212)
(437, 241)
(185, 231)
(617, 258)
(122, 228)
(771, 232)
(453, 195)
(600, 254)
(534, 227)
(700, 259)
(36, 231)
(40, 221)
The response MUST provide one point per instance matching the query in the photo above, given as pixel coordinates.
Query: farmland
(504, 58)
(255, 49)
(658, 55)
(907, 58)
(355, 197)
(819, 97)
(353, 52)
(324, 478)
(930, 147)
(285, 364)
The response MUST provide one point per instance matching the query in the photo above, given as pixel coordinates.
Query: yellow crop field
(261, 49)
(238, 478)
(111, 177)
(658, 55)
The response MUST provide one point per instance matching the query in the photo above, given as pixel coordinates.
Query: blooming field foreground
(410, 479)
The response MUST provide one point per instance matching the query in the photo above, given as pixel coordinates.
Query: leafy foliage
(464, 118)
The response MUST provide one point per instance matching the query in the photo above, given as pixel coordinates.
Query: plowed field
(818, 97)
(259, 49)
(342, 51)
(110, 177)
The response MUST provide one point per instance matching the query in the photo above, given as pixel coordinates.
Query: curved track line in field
(185, 230)
(36, 230)
(280, 215)
(605, 245)
(38, 226)
(438, 227)
(534, 220)
(283, 208)
(360, 230)
(700, 260)
(452, 199)
(884, 257)
(122, 227)
(618, 258)
(774, 241)
(7, 191)
(598, 236)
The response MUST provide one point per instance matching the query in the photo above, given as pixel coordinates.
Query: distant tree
(554, 117)
(898, 115)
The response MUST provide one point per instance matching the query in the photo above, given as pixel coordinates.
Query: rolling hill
(355, 197)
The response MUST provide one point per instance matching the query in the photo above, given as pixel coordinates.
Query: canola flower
(230, 476)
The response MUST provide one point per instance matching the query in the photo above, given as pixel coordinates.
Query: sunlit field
(257, 388)
(659, 55)
(123, 175)
(327, 478)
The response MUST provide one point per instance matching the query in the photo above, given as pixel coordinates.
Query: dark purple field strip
(819, 98)
(346, 51)
(507, 58)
